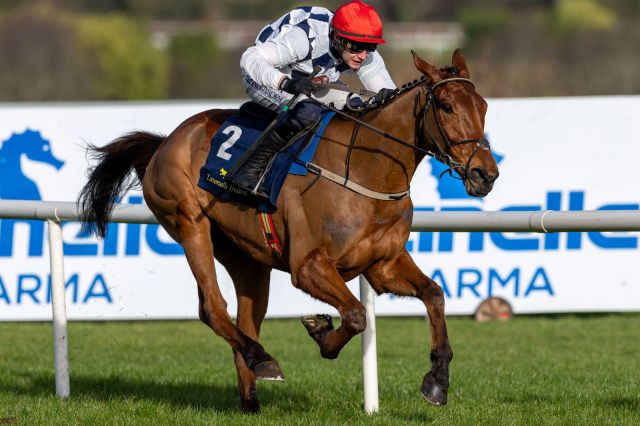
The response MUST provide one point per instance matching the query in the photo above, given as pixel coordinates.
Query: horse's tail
(111, 178)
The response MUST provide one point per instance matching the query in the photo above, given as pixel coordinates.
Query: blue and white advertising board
(554, 153)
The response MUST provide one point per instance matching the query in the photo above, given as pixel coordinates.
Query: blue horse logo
(449, 187)
(15, 185)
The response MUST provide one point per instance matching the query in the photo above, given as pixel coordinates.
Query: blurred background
(73, 50)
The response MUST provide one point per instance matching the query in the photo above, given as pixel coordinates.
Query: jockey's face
(354, 60)
(354, 53)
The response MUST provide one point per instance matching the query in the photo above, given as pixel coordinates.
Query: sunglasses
(356, 47)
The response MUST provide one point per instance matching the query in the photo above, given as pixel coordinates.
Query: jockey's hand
(383, 96)
(298, 85)
(354, 104)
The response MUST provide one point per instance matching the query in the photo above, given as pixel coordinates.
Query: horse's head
(452, 124)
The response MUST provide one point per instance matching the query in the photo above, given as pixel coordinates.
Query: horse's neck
(380, 163)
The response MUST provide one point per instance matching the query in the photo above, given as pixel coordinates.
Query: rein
(440, 154)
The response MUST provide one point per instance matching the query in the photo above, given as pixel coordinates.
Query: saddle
(236, 135)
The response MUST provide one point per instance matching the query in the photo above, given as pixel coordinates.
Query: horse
(330, 232)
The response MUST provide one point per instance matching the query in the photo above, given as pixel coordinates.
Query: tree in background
(148, 9)
(48, 54)
(194, 60)
(126, 65)
(41, 57)
(531, 55)
(570, 16)
(482, 21)
(513, 47)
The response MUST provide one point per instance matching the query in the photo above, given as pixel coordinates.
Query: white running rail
(538, 221)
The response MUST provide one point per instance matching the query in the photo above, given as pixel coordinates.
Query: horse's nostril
(479, 175)
(482, 176)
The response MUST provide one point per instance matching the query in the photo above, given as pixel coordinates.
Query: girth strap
(329, 175)
(270, 236)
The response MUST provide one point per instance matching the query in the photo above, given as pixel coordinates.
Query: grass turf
(531, 370)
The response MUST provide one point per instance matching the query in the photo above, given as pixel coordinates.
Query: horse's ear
(432, 74)
(458, 62)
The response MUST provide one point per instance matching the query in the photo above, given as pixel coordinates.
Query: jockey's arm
(374, 75)
(261, 62)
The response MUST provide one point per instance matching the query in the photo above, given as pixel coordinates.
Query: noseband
(441, 154)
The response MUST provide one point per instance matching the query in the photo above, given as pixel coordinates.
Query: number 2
(236, 132)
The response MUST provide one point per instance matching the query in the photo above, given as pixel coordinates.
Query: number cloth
(236, 135)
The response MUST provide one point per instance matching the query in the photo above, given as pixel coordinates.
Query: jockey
(285, 53)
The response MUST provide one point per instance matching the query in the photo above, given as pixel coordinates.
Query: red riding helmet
(359, 22)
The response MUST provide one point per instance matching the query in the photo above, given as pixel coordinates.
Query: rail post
(369, 349)
(60, 341)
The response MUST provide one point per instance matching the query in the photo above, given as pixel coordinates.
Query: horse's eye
(446, 108)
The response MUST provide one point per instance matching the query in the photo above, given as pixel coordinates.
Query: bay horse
(330, 233)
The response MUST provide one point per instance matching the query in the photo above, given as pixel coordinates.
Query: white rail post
(58, 305)
(369, 350)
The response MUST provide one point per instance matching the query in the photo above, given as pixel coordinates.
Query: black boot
(247, 176)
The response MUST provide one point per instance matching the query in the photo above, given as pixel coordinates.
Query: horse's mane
(450, 71)
(397, 92)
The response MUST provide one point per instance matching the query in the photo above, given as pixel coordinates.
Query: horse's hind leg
(251, 280)
(191, 228)
(318, 277)
(402, 277)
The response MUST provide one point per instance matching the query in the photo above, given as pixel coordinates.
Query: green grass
(532, 370)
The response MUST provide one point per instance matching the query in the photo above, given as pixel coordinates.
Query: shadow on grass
(624, 403)
(198, 396)
(415, 417)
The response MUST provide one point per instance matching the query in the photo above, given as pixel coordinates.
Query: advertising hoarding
(553, 153)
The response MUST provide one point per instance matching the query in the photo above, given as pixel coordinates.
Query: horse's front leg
(401, 276)
(318, 277)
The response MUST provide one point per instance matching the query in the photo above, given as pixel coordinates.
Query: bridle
(441, 154)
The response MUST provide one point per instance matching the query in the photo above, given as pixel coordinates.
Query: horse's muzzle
(480, 181)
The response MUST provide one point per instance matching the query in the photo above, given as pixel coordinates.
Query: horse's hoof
(268, 370)
(251, 406)
(432, 392)
(320, 323)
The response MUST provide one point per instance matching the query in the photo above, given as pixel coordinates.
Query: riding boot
(247, 176)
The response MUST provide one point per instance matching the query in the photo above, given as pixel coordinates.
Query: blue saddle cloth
(236, 135)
